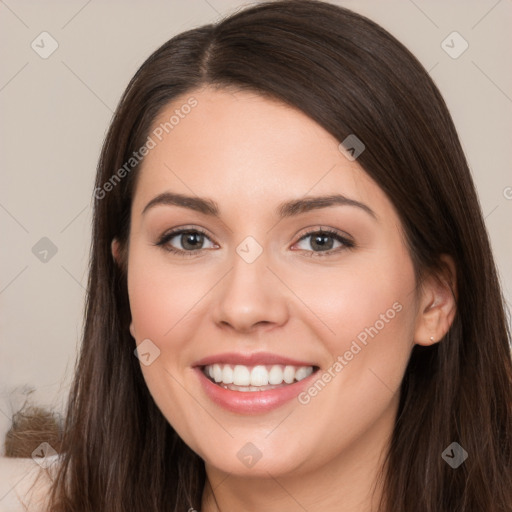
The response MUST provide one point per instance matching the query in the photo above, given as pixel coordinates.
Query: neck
(348, 482)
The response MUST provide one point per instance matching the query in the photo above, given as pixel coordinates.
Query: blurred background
(65, 65)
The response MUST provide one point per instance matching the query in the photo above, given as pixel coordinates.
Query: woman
(292, 302)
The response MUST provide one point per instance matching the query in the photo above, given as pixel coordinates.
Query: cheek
(346, 300)
(160, 297)
(373, 305)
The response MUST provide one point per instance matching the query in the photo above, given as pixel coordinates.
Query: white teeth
(254, 378)
(289, 374)
(241, 375)
(259, 376)
(227, 374)
(303, 372)
(217, 373)
(275, 375)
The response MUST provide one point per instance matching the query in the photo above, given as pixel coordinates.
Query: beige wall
(55, 111)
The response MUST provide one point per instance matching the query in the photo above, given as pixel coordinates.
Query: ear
(116, 252)
(437, 304)
(115, 248)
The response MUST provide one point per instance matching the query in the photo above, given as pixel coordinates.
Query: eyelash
(164, 239)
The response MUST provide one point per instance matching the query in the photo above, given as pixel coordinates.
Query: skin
(249, 154)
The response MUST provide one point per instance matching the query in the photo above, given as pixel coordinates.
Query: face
(319, 296)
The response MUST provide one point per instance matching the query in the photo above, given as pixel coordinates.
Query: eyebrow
(287, 209)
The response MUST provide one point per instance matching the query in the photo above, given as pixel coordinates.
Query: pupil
(320, 242)
(190, 240)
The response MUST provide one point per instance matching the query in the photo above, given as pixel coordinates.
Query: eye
(190, 240)
(323, 242)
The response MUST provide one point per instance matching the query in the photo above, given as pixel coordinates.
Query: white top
(16, 478)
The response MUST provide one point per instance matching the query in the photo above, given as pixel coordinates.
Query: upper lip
(257, 358)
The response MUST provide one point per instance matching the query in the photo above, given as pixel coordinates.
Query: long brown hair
(352, 77)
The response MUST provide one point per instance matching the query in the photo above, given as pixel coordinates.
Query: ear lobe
(132, 330)
(438, 304)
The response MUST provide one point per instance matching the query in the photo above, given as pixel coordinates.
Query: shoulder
(25, 484)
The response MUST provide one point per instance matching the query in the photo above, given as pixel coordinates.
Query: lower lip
(252, 402)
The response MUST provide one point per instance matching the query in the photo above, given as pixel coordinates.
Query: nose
(250, 297)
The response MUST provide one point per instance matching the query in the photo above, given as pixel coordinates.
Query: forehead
(239, 147)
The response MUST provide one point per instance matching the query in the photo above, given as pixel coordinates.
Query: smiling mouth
(256, 378)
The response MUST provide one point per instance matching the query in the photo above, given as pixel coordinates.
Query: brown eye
(191, 240)
(323, 241)
(184, 241)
